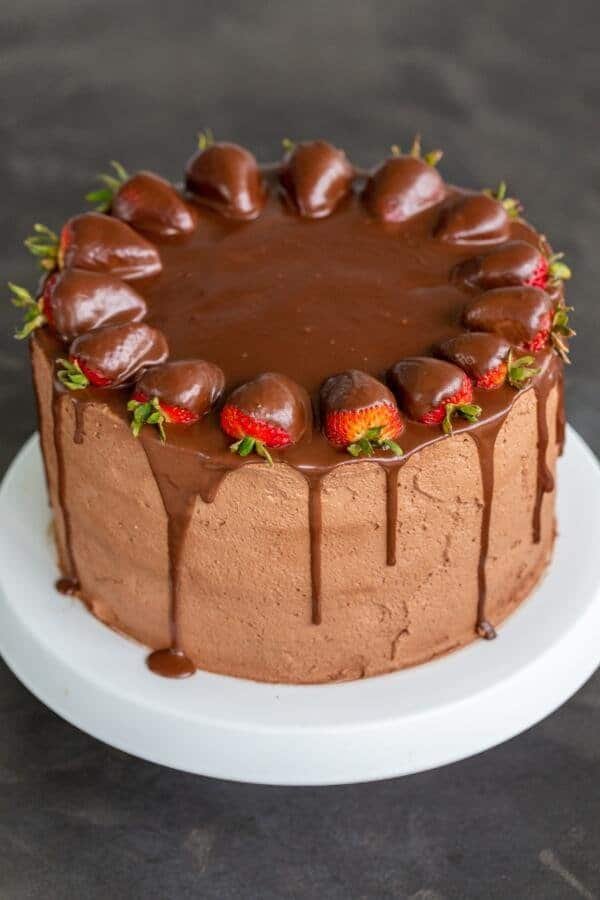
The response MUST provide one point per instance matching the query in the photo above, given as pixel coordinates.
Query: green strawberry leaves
(521, 370)
(365, 446)
(147, 412)
(557, 269)
(561, 332)
(247, 445)
(510, 204)
(102, 198)
(43, 244)
(432, 157)
(71, 376)
(33, 317)
(469, 411)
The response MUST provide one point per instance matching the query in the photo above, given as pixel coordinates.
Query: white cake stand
(281, 734)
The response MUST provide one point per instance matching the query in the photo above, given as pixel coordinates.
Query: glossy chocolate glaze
(513, 263)
(476, 352)
(315, 177)
(402, 187)
(276, 399)
(474, 220)
(353, 390)
(421, 383)
(119, 351)
(226, 178)
(516, 313)
(307, 299)
(82, 300)
(193, 384)
(150, 203)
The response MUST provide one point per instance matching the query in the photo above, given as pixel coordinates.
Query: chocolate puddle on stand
(198, 475)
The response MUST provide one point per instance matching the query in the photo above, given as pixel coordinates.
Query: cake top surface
(307, 269)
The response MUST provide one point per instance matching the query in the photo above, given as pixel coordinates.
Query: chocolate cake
(299, 421)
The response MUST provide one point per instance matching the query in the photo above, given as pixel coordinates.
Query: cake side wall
(245, 598)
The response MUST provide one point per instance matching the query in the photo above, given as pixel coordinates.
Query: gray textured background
(508, 89)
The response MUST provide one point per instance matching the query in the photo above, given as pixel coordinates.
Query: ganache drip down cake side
(299, 421)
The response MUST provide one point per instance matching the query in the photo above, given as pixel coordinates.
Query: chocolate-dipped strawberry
(145, 201)
(77, 300)
(175, 393)
(404, 185)
(433, 391)
(477, 218)
(513, 263)
(272, 411)
(525, 316)
(359, 414)
(97, 242)
(315, 177)
(226, 178)
(111, 356)
(488, 360)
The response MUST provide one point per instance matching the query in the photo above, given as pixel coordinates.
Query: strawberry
(315, 176)
(404, 185)
(74, 301)
(111, 356)
(433, 391)
(525, 316)
(97, 242)
(477, 218)
(360, 414)
(272, 411)
(512, 264)
(145, 201)
(226, 178)
(177, 393)
(488, 360)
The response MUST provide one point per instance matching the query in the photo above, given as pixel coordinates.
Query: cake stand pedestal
(302, 735)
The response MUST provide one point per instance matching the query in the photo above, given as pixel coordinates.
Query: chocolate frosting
(421, 383)
(119, 351)
(316, 176)
(515, 313)
(402, 187)
(193, 384)
(275, 399)
(476, 352)
(353, 390)
(152, 204)
(512, 263)
(474, 219)
(105, 244)
(226, 177)
(82, 300)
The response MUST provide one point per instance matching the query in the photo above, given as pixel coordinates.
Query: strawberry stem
(288, 145)
(432, 157)
(103, 197)
(71, 376)
(247, 445)
(372, 439)
(469, 411)
(33, 316)
(521, 370)
(43, 244)
(147, 412)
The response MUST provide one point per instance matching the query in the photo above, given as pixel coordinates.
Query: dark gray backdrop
(508, 89)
